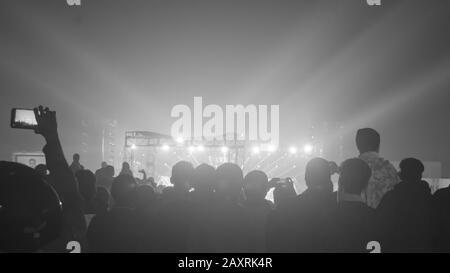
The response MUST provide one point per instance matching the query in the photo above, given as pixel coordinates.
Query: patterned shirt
(384, 178)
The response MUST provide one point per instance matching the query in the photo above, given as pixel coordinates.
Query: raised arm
(64, 181)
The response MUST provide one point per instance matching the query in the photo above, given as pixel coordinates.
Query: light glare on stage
(293, 150)
(200, 148)
(165, 147)
(191, 149)
(308, 149)
(179, 140)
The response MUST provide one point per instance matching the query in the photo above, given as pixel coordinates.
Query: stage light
(179, 140)
(271, 148)
(165, 147)
(308, 149)
(191, 149)
(255, 150)
(224, 149)
(133, 147)
(293, 150)
(200, 148)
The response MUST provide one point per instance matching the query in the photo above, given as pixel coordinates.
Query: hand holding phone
(39, 119)
(46, 122)
(280, 182)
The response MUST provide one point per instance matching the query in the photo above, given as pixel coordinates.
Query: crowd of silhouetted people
(376, 207)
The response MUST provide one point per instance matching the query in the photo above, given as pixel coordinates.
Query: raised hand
(46, 122)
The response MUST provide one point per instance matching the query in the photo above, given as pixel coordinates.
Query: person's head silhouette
(76, 158)
(125, 166)
(318, 174)
(104, 164)
(411, 169)
(367, 140)
(182, 173)
(32, 163)
(354, 176)
(109, 171)
(123, 190)
(204, 179)
(229, 181)
(86, 184)
(256, 185)
(30, 209)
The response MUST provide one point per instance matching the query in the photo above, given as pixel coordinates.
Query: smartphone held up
(23, 118)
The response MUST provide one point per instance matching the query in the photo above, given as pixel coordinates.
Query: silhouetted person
(34, 216)
(150, 228)
(307, 220)
(87, 188)
(107, 177)
(355, 223)
(203, 183)
(384, 175)
(146, 197)
(201, 230)
(31, 214)
(76, 166)
(441, 207)
(407, 212)
(175, 214)
(32, 163)
(101, 200)
(182, 173)
(229, 222)
(257, 209)
(126, 169)
(283, 193)
(117, 229)
(99, 172)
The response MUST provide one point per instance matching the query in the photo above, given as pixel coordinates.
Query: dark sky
(340, 61)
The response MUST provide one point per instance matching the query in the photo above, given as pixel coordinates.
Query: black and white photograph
(242, 130)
